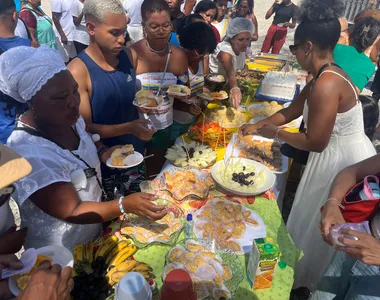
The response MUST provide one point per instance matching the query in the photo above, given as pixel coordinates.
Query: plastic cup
(133, 286)
(178, 285)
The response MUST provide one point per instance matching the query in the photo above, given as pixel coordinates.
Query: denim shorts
(348, 279)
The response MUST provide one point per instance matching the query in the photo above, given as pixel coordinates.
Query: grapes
(241, 178)
(94, 285)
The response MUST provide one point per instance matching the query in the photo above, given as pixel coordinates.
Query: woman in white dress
(335, 132)
(61, 199)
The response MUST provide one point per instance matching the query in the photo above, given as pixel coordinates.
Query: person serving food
(229, 56)
(61, 199)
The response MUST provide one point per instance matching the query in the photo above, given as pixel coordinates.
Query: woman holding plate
(198, 40)
(229, 56)
(61, 199)
(158, 65)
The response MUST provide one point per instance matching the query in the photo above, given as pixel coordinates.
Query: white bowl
(60, 255)
(269, 177)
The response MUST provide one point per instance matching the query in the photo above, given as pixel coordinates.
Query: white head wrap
(25, 70)
(239, 25)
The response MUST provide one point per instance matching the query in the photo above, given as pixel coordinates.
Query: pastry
(118, 161)
(127, 150)
(179, 89)
(234, 246)
(146, 98)
(238, 230)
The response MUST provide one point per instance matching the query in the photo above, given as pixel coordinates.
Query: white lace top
(52, 164)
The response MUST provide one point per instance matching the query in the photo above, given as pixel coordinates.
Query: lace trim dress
(348, 145)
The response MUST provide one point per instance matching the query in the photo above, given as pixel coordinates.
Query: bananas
(111, 261)
(141, 267)
(116, 250)
(107, 246)
(122, 255)
(115, 274)
(83, 255)
(144, 269)
(78, 253)
(89, 252)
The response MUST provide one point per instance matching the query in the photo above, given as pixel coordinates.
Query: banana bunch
(120, 253)
(115, 274)
(144, 269)
(107, 246)
(83, 257)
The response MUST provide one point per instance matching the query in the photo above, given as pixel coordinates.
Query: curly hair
(364, 33)
(320, 10)
(198, 36)
(319, 22)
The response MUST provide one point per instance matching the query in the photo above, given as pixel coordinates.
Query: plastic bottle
(189, 226)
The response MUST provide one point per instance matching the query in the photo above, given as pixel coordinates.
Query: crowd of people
(67, 89)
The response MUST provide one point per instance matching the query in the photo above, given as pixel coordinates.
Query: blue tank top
(112, 95)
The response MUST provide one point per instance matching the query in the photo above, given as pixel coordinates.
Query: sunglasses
(294, 48)
(5, 194)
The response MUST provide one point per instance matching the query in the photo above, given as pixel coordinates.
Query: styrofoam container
(133, 286)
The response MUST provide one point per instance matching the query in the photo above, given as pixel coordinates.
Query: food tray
(236, 153)
(190, 155)
(145, 232)
(266, 98)
(183, 189)
(271, 56)
(221, 215)
(213, 134)
(226, 256)
(244, 119)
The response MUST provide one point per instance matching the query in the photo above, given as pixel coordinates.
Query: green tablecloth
(283, 279)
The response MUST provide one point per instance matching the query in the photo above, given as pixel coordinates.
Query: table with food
(223, 236)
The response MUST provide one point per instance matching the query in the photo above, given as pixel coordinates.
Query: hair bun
(321, 10)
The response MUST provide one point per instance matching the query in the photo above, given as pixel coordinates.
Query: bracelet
(276, 137)
(101, 149)
(334, 199)
(121, 206)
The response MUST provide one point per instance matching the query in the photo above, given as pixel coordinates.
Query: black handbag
(301, 156)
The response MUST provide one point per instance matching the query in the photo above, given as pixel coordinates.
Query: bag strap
(368, 191)
(324, 67)
(37, 133)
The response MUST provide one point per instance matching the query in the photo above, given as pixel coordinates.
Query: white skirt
(312, 193)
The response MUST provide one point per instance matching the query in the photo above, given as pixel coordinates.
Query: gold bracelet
(334, 199)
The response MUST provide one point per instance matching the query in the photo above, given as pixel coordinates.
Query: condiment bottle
(189, 225)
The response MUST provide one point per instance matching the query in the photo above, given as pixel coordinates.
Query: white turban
(239, 25)
(25, 70)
